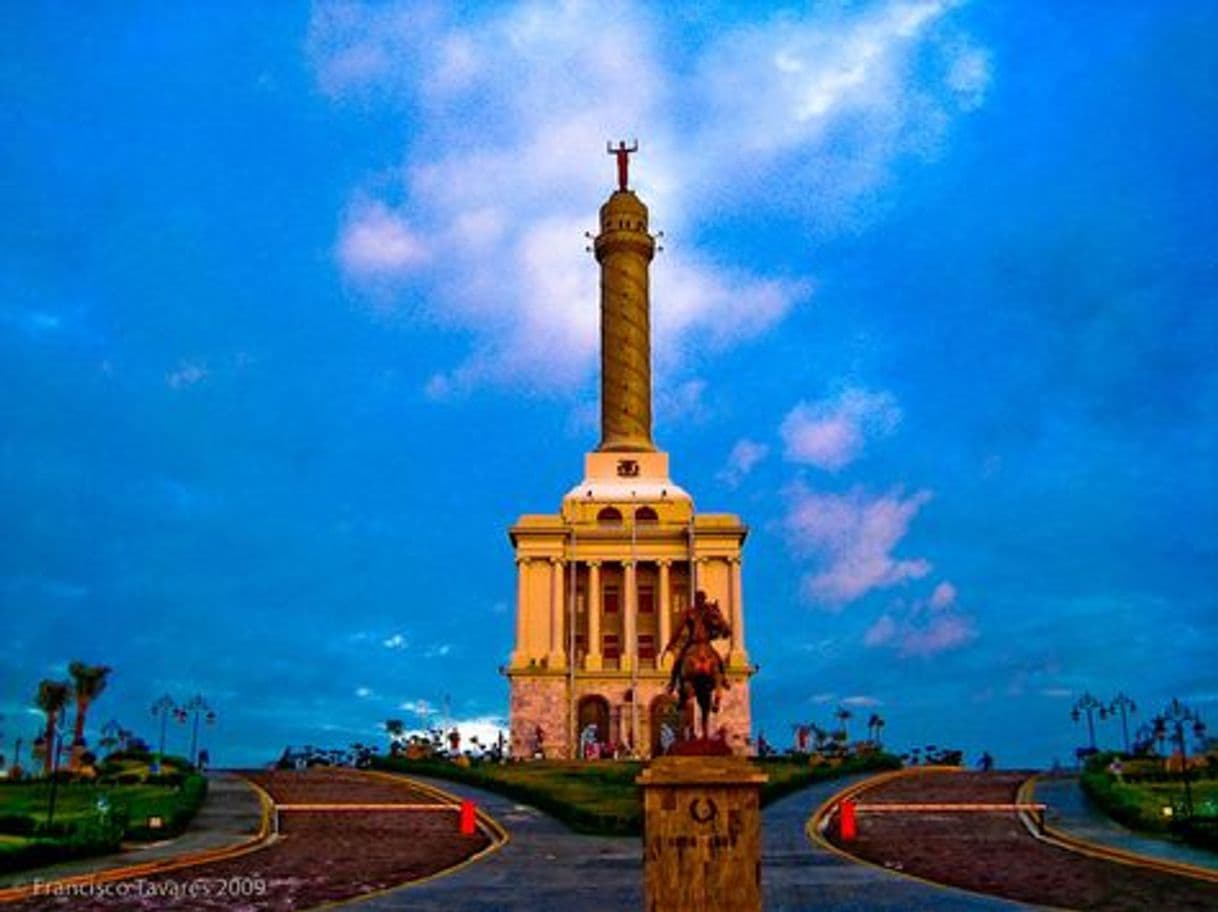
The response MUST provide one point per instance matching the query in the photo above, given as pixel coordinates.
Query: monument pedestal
(701, 834)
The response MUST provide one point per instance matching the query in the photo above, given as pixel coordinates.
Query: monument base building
(602, 583)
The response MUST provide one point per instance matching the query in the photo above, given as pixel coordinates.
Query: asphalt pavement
(548, 868)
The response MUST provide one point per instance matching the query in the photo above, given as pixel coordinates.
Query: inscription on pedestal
(701, 834)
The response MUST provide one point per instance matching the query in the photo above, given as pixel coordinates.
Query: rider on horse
(701, 623)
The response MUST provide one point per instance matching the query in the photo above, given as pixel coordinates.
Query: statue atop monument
(622, 152)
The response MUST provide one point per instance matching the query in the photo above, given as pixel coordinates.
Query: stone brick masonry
(541, 701)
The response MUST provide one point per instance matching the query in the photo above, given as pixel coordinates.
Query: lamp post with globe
(1089, 705)
(1126, 707)
(1175, 719)
(163, 708)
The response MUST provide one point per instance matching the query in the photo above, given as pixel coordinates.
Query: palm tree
(874, 724)
(52, 697)
(396, 728)
(90, 681)
(843, 715)
(819, 736)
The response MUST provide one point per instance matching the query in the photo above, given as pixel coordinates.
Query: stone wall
(542, 701)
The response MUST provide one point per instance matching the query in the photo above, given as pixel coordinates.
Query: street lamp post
(163, 708)
(1125, 707)
(1088, 704)
(1176, 717)
(197, 705)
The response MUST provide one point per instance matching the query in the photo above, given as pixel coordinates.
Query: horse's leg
(687, 712)
(704, 703)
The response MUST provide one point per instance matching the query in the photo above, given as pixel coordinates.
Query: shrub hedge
(601, 798)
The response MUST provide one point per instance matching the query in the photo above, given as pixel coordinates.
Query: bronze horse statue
(698, 674)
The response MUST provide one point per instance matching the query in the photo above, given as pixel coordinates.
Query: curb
(1072, 843)
(262, 838)
(819, 821)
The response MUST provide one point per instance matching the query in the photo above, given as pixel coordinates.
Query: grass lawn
(1151, 797)
(75, 801)
(602, 797)
(1140, 804)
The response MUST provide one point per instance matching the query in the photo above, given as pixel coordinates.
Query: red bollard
(467, 818)
(847, 826)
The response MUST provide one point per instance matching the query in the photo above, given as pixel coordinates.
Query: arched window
(645, 515)
(610, 516)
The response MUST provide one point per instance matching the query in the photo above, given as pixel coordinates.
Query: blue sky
(296, 319)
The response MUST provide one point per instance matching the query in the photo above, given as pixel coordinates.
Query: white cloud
(925, 627)
(745, 455)
(419, 707)
(881, 632)
(968, 74)
(862, 700)
(397, 641)
(437, 651)
(851, 536)
(187, 374)
(377, 242)
(510, 110)
(683, 403)
(941, 633)
(943, 596)
(830, 434)
(363, 692)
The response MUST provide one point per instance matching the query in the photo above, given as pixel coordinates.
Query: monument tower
(601, 583)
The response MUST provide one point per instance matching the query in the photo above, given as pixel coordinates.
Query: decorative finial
(622, 152)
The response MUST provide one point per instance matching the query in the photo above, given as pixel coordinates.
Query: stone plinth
(701, 834)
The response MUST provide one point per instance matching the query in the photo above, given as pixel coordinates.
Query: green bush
(175, 814)
(17, 824)
(90, 837)
(601, 798)
(1200, 831)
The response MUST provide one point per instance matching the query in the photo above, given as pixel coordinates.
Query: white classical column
(592, 660)
(557, 658)
(738, 655)
(630, 650)
(665, 614)
(520, 657)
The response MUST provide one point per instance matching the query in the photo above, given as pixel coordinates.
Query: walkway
(1069, 810)
(547, 868)
(231, 814)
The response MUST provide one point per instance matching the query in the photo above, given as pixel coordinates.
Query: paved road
(230, 815)
(1069, 810)
(547, 868)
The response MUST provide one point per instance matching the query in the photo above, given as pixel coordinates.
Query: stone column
(630, 616)
(665, 613)
(520, 657)
(557, 658)
(738, 655)
(592, 661)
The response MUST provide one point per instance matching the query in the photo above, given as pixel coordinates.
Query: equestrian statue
(698, 673)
